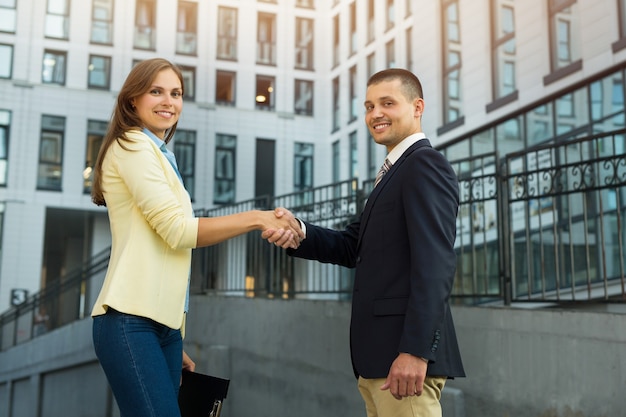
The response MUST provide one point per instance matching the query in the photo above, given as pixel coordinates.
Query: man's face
(389, 116)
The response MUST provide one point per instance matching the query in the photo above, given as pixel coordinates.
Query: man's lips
(381, 126)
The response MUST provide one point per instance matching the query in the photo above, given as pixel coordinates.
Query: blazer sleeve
(430, 204)
(142, 170)
(328, 245)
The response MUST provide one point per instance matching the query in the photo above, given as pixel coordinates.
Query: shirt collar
(158, 142)
(406, 143)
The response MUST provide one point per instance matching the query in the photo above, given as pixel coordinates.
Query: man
(402, 338)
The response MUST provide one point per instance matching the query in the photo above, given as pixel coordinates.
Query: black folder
(201, 395)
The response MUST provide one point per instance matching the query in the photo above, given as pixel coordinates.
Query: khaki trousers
(380, 403)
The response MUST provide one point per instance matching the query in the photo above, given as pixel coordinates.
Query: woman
(140, 312)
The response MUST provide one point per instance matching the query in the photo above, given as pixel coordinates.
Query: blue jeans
(142, 360)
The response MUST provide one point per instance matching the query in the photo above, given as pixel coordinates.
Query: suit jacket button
(358, 259)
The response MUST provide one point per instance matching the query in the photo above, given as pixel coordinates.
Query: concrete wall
(291, 357)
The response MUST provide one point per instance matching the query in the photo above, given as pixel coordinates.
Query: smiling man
(402, 338)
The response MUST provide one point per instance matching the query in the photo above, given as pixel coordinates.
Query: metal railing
(545, 224)
(67, 300)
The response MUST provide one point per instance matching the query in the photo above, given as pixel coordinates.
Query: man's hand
(279, 237)
(406, 376)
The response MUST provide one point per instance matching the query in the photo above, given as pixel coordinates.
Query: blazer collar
(381, 185)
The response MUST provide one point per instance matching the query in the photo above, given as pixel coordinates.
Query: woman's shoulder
(133, 139)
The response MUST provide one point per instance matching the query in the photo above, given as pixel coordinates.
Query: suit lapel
(371, 200)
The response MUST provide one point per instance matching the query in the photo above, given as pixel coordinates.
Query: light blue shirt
(168, 154)
(172, 160)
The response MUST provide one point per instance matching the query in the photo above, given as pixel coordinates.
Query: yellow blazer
(153, 230)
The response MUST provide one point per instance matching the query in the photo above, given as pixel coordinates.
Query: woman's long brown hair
(125, 118)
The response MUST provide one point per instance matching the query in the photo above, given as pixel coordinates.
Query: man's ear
(418, 105)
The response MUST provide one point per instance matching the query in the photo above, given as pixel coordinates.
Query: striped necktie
(383, 170)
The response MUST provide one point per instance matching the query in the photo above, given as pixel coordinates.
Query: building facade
(273, 98)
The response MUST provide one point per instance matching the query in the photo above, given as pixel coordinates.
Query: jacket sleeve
(430, 203)
(143, 171)
(329, 246)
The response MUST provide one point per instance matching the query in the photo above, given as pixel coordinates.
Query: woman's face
(159, 108)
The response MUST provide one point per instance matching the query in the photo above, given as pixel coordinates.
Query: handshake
(282, 229)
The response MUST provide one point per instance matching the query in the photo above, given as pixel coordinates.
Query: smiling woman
(160, 108)
(140, 312)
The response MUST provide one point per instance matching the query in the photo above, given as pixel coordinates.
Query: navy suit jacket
(402, 247)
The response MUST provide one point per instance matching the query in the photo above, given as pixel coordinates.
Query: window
(264, 92)
(564, 45)
(335, 40)
(354, 105)
(227, 33)
(5, 125)
(353, 32)
(189, 82)
(6, 60)
(409, 49)
(391, 14)
(452, 62)
(336, 105)
(371, 34)
(51, 153)
(354, 156)
(102, 22)
(99, 72)
(390, 49)
(53, 71)
(303, 166)
(372, 158)
(409, 7)
(304, 43)
(8, 16)
(185, 151)
(145, 25)
(225, 88)
(187, 28)
(621, 5)
(95, 134)
(336, 161)
(539, 124)
(303, 103)
(303, 172)
(371, 64)
(224, 189)
(503, 48)
(57, 23)
(266, 39)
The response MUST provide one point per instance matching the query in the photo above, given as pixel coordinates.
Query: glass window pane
(189, 81)
(102, 22)
(227, 33)
(7, 20)
(6, 61)
(186, 36)
(53, 68)
(225, 88)
(99, 71)
(304, 97)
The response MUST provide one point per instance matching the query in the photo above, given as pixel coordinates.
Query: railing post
(504, 244)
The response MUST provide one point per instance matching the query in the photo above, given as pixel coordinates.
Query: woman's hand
(282, 229)
(188, 364)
